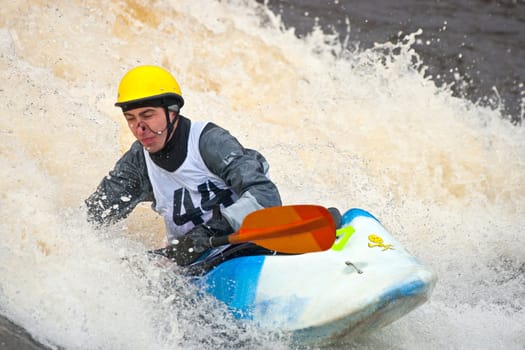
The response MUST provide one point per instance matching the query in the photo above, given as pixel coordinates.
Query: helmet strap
(170, 124)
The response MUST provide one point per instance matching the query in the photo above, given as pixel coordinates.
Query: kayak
(365, 281)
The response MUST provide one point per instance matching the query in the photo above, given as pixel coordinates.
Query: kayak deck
(365, 281)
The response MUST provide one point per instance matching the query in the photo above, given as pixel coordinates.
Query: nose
(139, 128)
(142, 126)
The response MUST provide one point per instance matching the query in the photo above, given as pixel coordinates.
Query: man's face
(149, 126)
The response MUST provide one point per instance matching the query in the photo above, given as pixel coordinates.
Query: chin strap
(167, 110)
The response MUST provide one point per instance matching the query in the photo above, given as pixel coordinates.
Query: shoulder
(132, 164)
(217, 145)
(135, 154)
(136, 150)
(213, 136)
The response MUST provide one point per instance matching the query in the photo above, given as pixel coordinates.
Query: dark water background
(477, 46)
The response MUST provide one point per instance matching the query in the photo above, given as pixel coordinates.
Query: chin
(151, 149)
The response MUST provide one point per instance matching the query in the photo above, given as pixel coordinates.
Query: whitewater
(345, 128)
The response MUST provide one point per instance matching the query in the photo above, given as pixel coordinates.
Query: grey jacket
(243, 170)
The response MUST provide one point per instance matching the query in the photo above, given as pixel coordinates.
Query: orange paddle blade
(290, 229)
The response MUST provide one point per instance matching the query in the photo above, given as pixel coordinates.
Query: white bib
(186, 197)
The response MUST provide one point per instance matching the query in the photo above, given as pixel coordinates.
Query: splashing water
(345, 128)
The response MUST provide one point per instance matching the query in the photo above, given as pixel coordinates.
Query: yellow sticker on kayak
(376, 241)
(343, 235)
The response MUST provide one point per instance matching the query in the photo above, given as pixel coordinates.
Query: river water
(358, 117)
(476, 47)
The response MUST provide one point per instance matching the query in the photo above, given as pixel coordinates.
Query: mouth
(147, 141)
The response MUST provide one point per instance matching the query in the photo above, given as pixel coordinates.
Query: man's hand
(188, 248)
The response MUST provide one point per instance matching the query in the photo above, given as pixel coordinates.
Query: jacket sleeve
(244, 170)
(119, 192)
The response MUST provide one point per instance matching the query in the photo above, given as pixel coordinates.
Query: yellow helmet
(148, 86)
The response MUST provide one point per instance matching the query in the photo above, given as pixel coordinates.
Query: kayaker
(186, 168)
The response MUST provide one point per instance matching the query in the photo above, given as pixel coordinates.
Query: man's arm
(119, 193)
(244, 170)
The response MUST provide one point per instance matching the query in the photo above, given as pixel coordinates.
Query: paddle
(292, 229)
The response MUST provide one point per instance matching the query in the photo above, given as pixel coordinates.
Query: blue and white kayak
(365, 281)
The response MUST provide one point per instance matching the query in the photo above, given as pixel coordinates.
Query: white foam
(351, 129)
